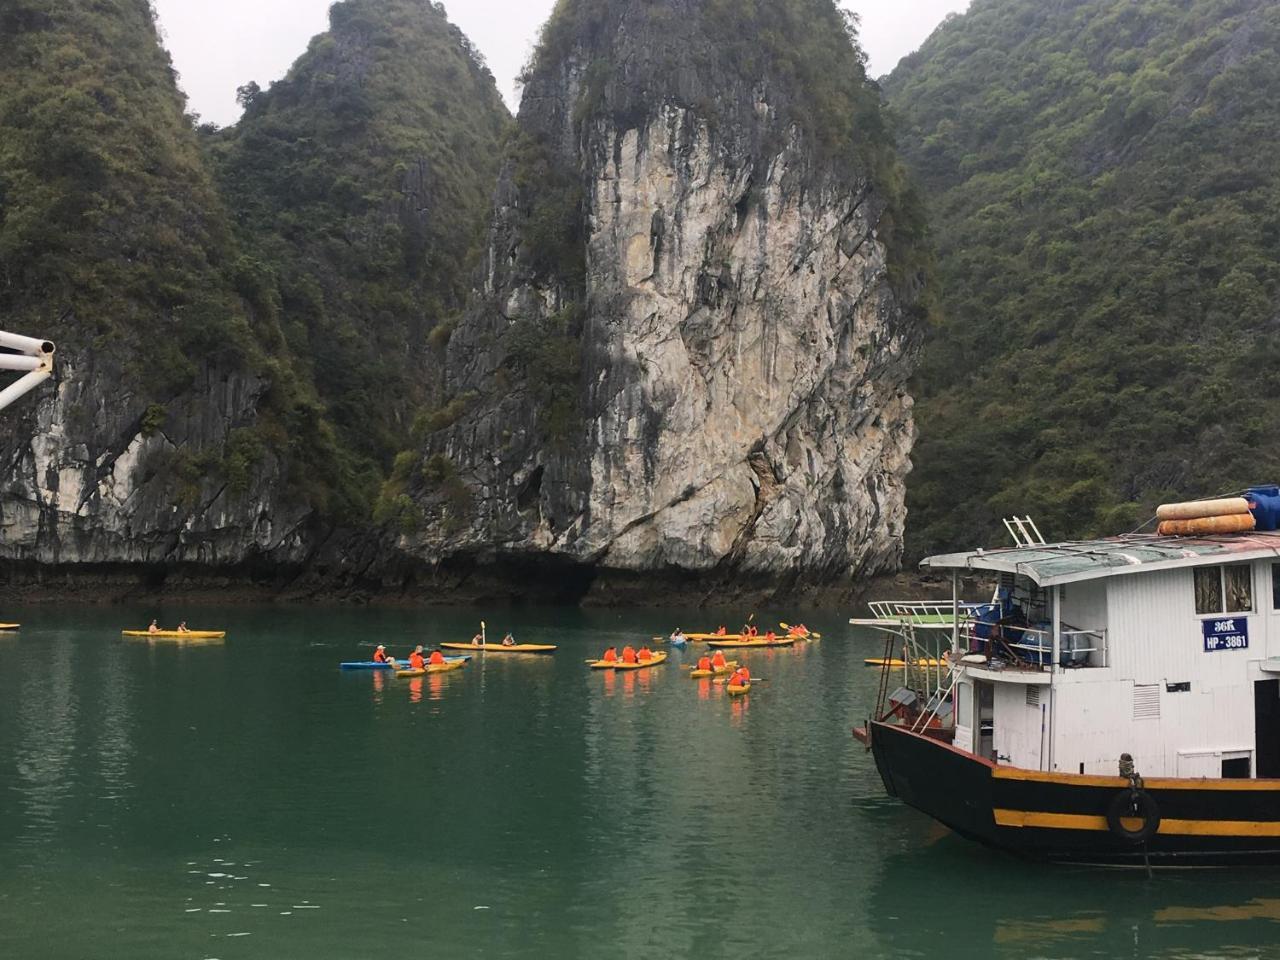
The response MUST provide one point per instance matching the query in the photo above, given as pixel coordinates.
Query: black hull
(1063, 817)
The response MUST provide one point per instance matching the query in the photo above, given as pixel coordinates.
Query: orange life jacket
(416, 661)
(437, 656)
(704, 663)
(610, 656)
(718, 660)
(741, 677)
(645, 655)
(721, 632)
(628, 655)
(771, 636)
(379, 656)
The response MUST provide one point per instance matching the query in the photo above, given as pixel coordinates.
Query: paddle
(724, 680)
(484, 639)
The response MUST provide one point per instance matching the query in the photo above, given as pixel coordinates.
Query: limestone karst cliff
(698, 312)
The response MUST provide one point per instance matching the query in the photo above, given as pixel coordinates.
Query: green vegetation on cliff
(110, 229)
(1105, 196)
(361, 183)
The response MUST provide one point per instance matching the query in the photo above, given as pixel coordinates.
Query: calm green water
(248, 800)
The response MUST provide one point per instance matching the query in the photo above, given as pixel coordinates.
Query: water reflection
(1004, 907)
(45, 749)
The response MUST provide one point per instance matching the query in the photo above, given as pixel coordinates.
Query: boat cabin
(1163, 647)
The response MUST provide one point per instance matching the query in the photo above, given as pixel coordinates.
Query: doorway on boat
(1266, 724)
(984, 692)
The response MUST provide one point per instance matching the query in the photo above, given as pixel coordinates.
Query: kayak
(738, 691)
(176, 635)
(499, 648)
(642, 665)
(713, 636)
(882, 662)
(603, 664)
(729, 667)
(433, 668)
(754, 642)
(374, 665)
(9, 626)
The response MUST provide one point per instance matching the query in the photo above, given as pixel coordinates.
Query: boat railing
(919, 613)
(1032, 647)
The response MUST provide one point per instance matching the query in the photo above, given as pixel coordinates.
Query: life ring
(1130, 803)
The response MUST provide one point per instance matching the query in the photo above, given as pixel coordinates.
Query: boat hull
(1062, 817)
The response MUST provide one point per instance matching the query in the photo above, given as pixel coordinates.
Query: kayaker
(678, 637)
(704, 662)
(645, 654)
(416, 660)
(610, 655)
(628, 654)
(718, 660)
(380, 655)
(154, 628)
(478, 640)
(722, 631)
(741, 678)
(182, 627)
(436, 658)
(508, 641)
(770, 636)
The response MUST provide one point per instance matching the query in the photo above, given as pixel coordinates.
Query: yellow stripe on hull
(1169, 827)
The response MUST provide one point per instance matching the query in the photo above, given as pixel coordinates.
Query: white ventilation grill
(1146, 702)
(1033, 696)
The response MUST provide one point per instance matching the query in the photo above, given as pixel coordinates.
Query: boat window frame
(1220, 569)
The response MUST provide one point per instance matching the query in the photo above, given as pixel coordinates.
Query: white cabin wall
(1017, 733)
(1155, 638)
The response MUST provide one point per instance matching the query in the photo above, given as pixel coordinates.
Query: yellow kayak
(735, 691)
(176, 635)
(603, 664)
(754, 642)
(729, 667)
(882, 662)
(499, 648)
(433, 668)
(642, 664)
(9, 626)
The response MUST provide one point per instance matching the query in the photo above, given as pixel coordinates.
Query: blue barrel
(1265, 503)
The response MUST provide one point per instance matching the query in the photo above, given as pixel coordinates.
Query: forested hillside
(361, 184)
(1103, 178)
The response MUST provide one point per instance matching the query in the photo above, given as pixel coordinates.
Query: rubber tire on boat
(1133, 803)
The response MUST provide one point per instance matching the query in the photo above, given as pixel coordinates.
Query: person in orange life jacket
(436, 657)
(741, 677)
(628, 654)
(610, 655)
(771, 636)
(704, 662)
(380, 655)
(645, 654)
(718, 660)
(722, 630)
(416, 660)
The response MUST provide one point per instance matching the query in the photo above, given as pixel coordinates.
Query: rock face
(92, 480)
(719, 385)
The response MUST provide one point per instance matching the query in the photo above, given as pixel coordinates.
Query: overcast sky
(218, 46)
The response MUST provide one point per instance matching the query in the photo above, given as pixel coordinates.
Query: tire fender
(1136, 804)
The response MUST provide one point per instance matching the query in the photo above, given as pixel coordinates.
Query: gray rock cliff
(706, 372)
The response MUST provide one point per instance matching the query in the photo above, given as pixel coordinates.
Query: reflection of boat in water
(1117, 702)
(1010, 912)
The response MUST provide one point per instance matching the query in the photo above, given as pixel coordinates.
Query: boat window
(1275, 586)
(1224, 589)
(1236, 768)
(1208, 589)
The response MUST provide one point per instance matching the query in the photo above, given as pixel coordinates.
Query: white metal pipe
(23, 386)
(11, 361)
(27, 345)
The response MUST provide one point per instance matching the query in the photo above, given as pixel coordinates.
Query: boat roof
(1058, 563)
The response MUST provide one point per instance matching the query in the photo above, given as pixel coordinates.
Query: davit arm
(34, 358)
